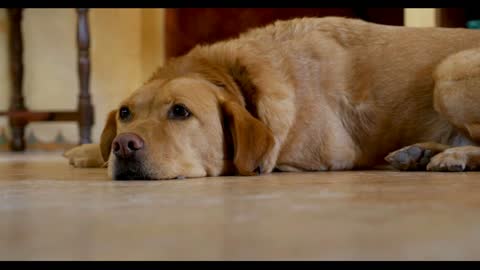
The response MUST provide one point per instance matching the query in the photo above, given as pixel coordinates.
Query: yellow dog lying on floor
(310, 94)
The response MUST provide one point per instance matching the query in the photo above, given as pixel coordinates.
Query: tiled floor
(51, 211)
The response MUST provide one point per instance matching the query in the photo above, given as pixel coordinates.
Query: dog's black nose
(126, 145)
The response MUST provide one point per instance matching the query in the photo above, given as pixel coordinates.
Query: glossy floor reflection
(49, 210)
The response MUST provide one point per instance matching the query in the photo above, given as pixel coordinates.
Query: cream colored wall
(420, 17)
(126, 46)
(153, 37)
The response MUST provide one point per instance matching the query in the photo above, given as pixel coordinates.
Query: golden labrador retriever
(309, 94)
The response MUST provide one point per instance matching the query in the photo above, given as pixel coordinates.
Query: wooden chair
(19, 116)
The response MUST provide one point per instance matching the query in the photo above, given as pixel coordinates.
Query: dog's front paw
(410, 158)
(268, 163)
(85, 156)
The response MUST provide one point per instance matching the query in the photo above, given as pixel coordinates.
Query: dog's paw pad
(410, 158)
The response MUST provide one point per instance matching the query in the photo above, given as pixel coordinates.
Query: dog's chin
(124, 170)
(128, 176)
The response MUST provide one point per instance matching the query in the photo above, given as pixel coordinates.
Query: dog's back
(360, 85)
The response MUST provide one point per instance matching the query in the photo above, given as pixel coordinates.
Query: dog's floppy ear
(108, 135)
(252, 139)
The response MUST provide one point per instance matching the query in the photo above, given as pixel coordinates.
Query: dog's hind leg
(457, 98)
(457, 92)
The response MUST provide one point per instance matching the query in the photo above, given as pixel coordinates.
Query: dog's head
(187, 125)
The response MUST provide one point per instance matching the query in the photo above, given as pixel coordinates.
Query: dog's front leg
(277, 111)
(85, 156)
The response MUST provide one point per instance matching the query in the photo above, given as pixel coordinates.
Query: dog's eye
(179, 111)
(124, 113)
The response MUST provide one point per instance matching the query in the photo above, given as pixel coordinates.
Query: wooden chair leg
(85, 107)
(16, 72)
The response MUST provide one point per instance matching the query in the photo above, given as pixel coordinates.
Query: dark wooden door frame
(187, 27)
